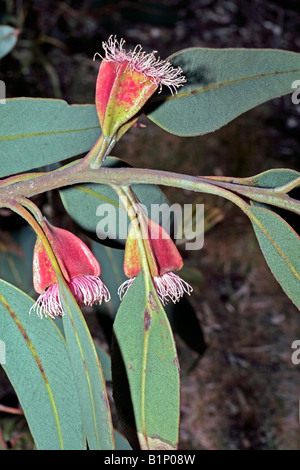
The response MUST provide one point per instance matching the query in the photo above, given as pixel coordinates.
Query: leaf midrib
(39, 364)
(275, 245)
(184, 94)
(41, 134)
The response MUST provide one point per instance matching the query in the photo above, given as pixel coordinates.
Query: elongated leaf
(121, 442)
(105, 361)
(8, 40)
(272, 178)
(112, 273)
(282, 186)
(38, 366)
(144, 337)
(88, 374)
(16, 251)
(268, 179)
(280, 245)
(35, 132)
(96, 208)
(221, 85)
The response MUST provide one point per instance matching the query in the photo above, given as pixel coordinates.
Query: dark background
(243, 393)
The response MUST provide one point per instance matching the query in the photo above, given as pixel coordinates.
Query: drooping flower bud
(163, 258)
(125, 82)
(79, 267)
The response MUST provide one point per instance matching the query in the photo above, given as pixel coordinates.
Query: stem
(150, 267)
(28, 204)
(9, 409)
(140, 226)
(125, 196)
(17, 178)
(99, 151)
(273, 196)
(16, 207)
(289, 186)
(80, 172)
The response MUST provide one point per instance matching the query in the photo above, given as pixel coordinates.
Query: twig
(9, 409)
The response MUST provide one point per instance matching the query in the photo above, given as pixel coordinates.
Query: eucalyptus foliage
(55, 367)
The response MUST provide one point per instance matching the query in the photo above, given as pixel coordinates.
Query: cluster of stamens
(160, 71)
(169, 287)
(87, 290)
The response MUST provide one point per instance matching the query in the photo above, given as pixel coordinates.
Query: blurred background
(243, 391)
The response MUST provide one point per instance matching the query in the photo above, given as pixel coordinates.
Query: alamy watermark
(185, 223)
(296, 93)
(2, 352)
(296, 354)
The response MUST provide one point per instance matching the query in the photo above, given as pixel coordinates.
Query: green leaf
(97, 210)
(272, 178)
(272, 188)
(8, 40)
(280, 245)
(35, 132)
(38, 366)
(144, 338)
(16, 250)
(268, 179)
(112, 274)
(105, 361)
(121, 441)
(221, 85)
(88, 375)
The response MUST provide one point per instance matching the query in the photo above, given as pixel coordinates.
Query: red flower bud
(126, 80)
(79, 267)
(162, 253)
(163, 258)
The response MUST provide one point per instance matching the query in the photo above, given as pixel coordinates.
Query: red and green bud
(162, 253)
(126, 81)
(120, 93)
(163, 258)
(78, 265)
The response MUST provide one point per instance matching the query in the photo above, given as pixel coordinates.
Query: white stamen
(122, 291)
(49, 303)
(87, 290)
(160, 71)
(169, 287)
